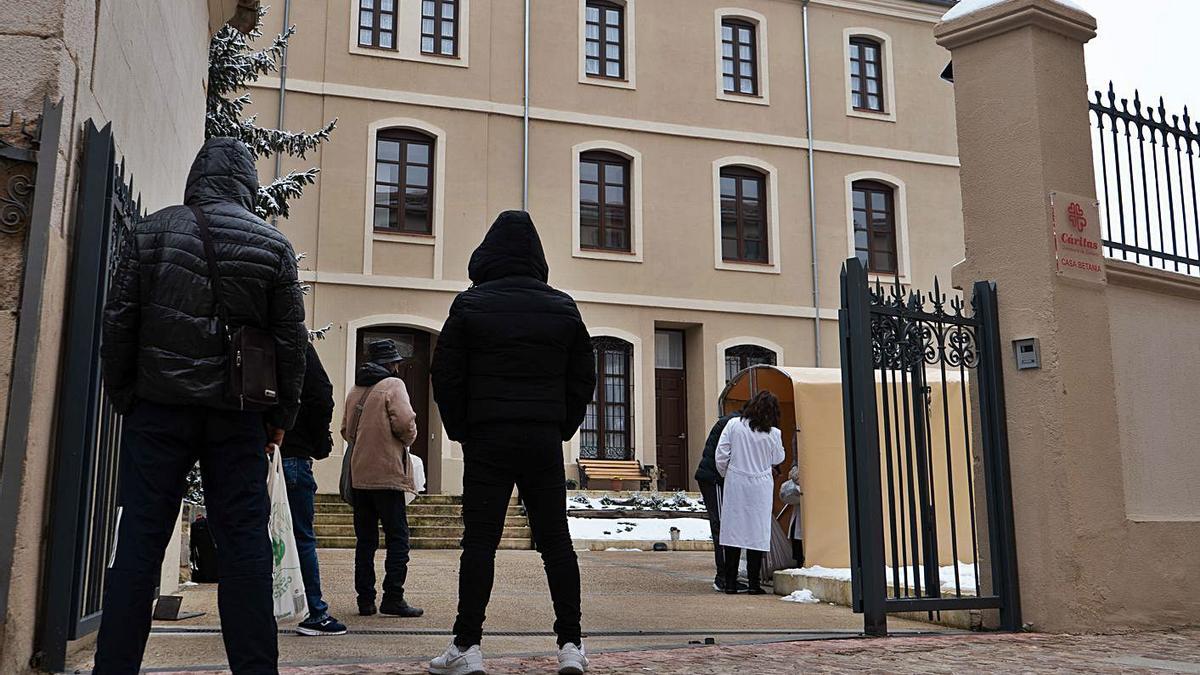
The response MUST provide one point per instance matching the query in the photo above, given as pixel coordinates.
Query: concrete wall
(669, 117)
(1101, 436)
(141, 65)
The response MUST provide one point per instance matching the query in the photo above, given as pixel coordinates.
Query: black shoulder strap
(214, 273)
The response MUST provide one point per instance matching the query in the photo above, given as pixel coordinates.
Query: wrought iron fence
(84, 490)
(1146, 176)
(922, 493)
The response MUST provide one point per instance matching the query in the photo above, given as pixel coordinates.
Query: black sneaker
(400, 608)
(719, 585)
(325, 626)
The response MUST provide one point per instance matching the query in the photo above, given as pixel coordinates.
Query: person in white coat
(750, 447)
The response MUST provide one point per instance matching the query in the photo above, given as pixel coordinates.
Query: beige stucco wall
(670, 119)
(140, 65)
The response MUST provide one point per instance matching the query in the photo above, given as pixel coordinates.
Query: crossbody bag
(251, 381)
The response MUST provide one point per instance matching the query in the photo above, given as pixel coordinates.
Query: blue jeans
(301, 487)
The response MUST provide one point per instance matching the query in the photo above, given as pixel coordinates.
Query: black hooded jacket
(161, 340)
(513, 349)
(310, 437)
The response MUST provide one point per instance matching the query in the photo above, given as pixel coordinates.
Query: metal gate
(83, 511)
(907, 359)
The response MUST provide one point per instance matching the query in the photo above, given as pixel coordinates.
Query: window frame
(871, 187)
(741, 173)
(602, 345)
(406, 136)
(604, 6)
(408, 36)
(887, 75)
(603, 159)
(628, 79)
(376, 30)
(736, 26)
(761, 52)
(859, 44)
(633, 202)
(770, 210)
(438, 19)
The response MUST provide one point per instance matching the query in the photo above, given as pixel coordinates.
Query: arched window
(744, 215)
(742, 357)
(605, 433)
(404, 182)
(866, 74)
(604, 198)
(875, 226)
(739, 57)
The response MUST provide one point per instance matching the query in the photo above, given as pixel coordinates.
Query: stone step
(450, 532)
(522, 544)
(414, 520)
(415, 509)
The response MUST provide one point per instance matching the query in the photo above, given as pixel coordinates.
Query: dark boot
(399, 608)
(366, 607)
(754, 572)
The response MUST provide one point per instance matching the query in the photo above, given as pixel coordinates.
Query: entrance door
(670, 409)
(414, 345)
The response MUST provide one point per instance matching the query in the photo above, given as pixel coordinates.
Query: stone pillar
(1023, 133)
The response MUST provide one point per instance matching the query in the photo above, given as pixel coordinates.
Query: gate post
(863, 477)
(1024, 133)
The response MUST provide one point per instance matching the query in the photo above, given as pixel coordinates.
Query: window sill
(887, 116)
(752, 99)
(886, 278)
(418, 57)
(760, 268)
(608, 82)
(613, 256)
(395, 237)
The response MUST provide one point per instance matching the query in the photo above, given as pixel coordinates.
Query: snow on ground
(803, 595)
(966, 575)
(643, 501)
(639, 529)
(965, 7)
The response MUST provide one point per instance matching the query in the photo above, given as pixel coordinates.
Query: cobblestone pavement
(1151, 653)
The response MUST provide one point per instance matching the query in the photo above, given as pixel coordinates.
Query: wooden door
(414, 345)
(670, 410)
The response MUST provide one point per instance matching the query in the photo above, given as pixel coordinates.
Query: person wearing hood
(165, 367)
(380, 422)
(513, 374)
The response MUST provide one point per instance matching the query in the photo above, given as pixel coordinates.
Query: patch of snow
(966, 575)
(639, 501)
(623, 550)
(803, 595)
(640, 529)
(965, 7)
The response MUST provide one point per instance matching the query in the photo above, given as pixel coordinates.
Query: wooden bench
(617, 471)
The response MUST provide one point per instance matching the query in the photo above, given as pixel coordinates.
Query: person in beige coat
(380, 422)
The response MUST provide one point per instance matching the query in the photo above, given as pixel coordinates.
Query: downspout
(525, 117)
(812, 195)
(287, 13)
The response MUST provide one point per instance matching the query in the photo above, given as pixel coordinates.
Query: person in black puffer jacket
(513, 373)
(165, 367)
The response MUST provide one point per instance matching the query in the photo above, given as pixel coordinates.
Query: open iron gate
(84, 499)
(907, 358)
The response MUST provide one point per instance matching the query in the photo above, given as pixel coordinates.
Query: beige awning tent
(811, 422)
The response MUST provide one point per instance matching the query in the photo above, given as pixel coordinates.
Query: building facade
(664, 152)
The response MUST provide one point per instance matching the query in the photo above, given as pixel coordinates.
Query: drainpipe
(287, 14)
(812, 195)
(525, 118)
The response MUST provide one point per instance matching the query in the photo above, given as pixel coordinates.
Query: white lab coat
(745, 458)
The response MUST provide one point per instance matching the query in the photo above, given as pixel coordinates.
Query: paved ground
(635, 594)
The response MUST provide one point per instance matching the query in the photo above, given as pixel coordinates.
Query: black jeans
(160, 444)
(733, 559)
(371, 507)
(712, 501)
(529, 457)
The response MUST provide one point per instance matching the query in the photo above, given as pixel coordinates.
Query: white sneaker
(454, 661)
(572, 660)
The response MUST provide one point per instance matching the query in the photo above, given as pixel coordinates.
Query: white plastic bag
(286, 582)
(417, 465)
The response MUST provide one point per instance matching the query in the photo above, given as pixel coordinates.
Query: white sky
(1150, 45)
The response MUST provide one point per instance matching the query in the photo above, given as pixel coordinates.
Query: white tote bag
(287, 584)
